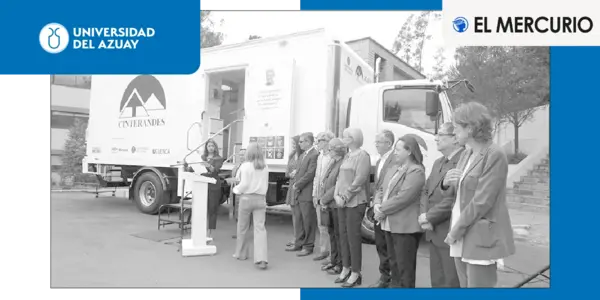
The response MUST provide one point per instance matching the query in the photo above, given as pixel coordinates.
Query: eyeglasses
(445, 134)
(322, 140)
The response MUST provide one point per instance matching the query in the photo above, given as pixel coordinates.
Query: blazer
(292, 165)
(389, 164)
(305, 176)
(403, 205)
(328, 183)
(484, 223)
(437, 207)
(382, 179)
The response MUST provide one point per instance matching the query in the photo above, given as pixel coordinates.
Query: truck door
(268, 107)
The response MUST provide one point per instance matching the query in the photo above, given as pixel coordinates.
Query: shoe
(337, 270)
(322, 256)
(358, 281)
(340, 280)
(326, 262)
(380, 284)
(239, 258)
(327, 267)
(289, 244)
(234, 236)
(304, 252)
(293, 249)
(261, 265)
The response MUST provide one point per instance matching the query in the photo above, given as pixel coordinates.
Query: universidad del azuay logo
(55, 38)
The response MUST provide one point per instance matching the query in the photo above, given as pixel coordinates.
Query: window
(407, 107)
(65, 120)
(76, 81)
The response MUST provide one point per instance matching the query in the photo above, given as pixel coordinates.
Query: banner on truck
(269, 93)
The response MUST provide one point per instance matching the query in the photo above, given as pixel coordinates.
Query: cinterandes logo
(55, 38)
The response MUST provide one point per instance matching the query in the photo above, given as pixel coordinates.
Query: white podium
(197, 245)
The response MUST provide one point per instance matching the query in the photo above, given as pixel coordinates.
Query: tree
(413, 34)
(209, 36)
(439, 70)
(75, 148)
(510, 81)
(254, 37)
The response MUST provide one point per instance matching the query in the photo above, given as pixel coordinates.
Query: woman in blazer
(481, 233)
(338, 151)
(351, 196)
(398, 212)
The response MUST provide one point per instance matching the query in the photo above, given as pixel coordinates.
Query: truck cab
(416, 107)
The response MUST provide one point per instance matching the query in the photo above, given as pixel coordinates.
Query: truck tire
(148, 193)
(367, 227)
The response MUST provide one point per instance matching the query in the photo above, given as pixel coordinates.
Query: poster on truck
(269, 90)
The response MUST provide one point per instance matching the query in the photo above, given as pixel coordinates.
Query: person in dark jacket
(213, 162)
(338, 151)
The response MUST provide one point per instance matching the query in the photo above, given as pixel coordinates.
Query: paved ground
(106, 242)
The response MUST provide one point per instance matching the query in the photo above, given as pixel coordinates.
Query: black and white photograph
(325, 149)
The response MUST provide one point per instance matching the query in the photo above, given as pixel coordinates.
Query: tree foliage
(209, 36)
(413, 34)
(511, 81)
(75, 148)
(439, 70)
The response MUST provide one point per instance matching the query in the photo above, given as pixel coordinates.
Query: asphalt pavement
(107, 242)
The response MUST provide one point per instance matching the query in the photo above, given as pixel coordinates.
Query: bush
(515, 159)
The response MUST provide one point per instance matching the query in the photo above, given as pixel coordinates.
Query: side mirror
(432, 103)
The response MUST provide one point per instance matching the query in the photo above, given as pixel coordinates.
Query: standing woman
(252, 189)
(213, 163)
(398, 212)
(338, 151)
(351, 196)
(481, 234)
(290, 173)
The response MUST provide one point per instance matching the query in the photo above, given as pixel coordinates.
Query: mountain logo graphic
(143, 96)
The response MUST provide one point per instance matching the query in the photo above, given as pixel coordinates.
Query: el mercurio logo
(460, 24)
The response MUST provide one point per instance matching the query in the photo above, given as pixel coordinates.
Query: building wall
(392, 67)
(69, 99)
(532, 135)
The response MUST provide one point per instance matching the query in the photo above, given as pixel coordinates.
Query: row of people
(461, 206)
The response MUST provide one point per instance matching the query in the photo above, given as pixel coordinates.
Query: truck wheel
(367, 227)
(148, 193)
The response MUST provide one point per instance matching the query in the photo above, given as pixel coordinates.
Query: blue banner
(107, 37)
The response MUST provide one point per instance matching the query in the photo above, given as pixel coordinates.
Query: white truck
(142, 128)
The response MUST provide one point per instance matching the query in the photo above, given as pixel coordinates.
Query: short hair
(309, 136)
(356, 134)
(338, 147)
(388, 135)
(448, 127)
(325, 135)
(477, 117)
(254, 154)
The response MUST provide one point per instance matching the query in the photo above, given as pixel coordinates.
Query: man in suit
(384, 142)
(305, 215)
(436, 211)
